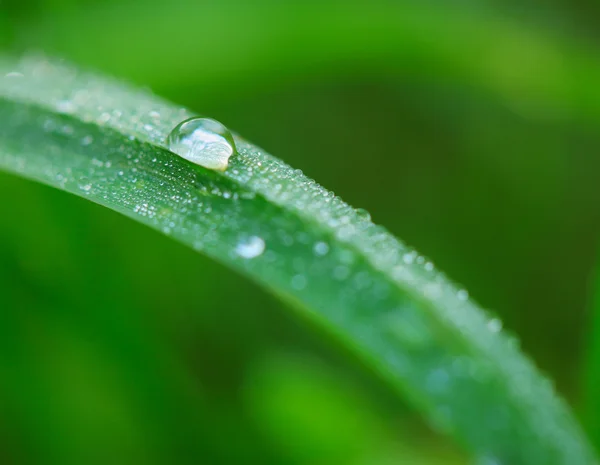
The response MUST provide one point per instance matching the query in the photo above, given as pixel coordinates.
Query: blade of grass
(103, 141)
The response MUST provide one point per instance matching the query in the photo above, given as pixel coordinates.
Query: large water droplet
(202, 141)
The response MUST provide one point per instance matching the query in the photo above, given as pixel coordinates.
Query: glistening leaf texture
(102, 140)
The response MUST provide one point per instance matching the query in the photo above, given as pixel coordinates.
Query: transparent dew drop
(462, 295)
(494, 325)
(438, 381)
(409, 257)
(363, 214)
(87, 140)
(321, 248)
(202, 141)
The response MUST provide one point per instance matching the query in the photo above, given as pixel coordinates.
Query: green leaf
(102, 140)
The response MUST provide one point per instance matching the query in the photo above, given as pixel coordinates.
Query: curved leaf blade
(103, 141)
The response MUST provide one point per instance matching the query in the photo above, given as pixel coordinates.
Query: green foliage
(336, 269)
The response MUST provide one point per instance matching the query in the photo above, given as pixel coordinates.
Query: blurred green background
(470, 129)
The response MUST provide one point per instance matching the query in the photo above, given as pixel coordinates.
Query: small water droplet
(86, 187)
(438, 380)
(494, 325)
(248, 195)
(251, 247)
(202, 141)
(462, 295)
(65, 106)
(341, 272)
(299, 282)
(321, 248)
(14, 74)
(409, 257)
(49, 125)
(363, 214)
